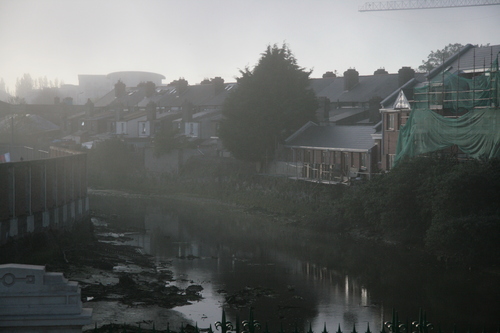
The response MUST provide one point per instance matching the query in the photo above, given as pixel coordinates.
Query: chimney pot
(380, 71)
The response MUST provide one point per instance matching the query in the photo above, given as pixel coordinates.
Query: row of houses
(349, 103)
(451, 110)
(359, 120)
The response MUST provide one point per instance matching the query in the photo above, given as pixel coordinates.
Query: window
(363, 160)
(390, 121)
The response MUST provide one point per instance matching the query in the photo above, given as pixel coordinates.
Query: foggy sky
(197, 39)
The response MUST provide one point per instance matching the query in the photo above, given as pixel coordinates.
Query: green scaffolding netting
(476, 132)
(460, 91)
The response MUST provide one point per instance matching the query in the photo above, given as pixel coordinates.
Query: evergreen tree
(271, 102)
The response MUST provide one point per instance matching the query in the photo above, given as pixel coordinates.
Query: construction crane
(423, 4)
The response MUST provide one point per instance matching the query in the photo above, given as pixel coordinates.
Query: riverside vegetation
(447, 208)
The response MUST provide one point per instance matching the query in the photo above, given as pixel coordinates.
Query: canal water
(291, 277)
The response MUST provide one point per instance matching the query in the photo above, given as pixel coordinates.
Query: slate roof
(29, 124)
(198, 95)
(468, 58)
(134, 115)
(102, 115)
(77, 115)
(199, 116)
(333, 137)
(131, 99)
(369, 86)
(105, 100)
(220, 98)
(168, 96)
(342, 113)
(319, 84)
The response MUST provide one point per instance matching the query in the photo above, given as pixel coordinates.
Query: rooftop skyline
(204, 39)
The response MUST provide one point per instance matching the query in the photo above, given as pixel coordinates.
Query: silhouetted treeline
(449, 208)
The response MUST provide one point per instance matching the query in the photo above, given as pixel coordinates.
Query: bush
(449, 208)
(471, 240)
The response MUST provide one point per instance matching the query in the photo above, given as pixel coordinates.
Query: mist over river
(291, 276)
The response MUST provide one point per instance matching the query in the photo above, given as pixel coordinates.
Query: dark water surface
(295, 277)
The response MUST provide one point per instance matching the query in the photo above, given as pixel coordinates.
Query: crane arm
(424, 4)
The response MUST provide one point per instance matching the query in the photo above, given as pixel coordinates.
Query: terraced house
(345, 144)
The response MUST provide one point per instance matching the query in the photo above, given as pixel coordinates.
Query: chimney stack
(329, 74)
(405, 75)
(181, 85)
(218, 84)
(351, 78)
(120, 89)
(89, 108)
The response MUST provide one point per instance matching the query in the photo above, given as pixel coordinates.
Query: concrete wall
(44, 193)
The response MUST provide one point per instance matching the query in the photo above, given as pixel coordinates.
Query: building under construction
(454, 111)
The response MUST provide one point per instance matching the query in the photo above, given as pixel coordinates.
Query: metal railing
(394, 325)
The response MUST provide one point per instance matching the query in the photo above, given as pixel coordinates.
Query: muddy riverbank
(125, 285)
(121, 283)
(240, 249)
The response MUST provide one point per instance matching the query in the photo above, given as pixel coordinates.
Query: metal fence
(421, 325)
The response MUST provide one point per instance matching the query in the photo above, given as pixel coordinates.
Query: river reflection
(289, 277)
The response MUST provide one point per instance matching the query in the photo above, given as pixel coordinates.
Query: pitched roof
(333, 137)
(134, 115)
(219, 99)
(102, 115)
(29, 124)
(106, 99)
(369, 86)
(132, 97)
(197, 95)
(478, 58)
(342, 113)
